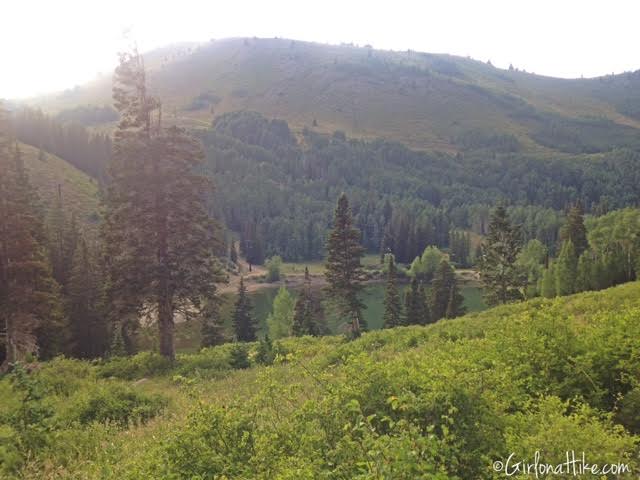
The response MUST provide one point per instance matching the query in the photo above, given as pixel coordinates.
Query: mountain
(426, 101)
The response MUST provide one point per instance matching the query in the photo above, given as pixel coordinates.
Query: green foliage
(392, 304)
(117, 404)
(503, 278)
(243, 321)
(273, 264)
(548, 282)
(343, 270)
(532, 259)
(239, 356)
(424, 266)
(417, 309)
(445, 300)
(280, 321)
(566, 269)
(144, 364)
(442, 401)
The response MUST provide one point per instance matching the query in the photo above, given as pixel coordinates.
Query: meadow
(443, 401)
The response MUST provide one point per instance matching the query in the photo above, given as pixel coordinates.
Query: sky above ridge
(47, 46)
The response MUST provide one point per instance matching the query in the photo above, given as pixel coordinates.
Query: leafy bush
(144, 364)
(114, 403)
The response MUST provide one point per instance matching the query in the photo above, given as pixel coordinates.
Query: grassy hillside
(79, 191)
(423, 100)
(438, 402)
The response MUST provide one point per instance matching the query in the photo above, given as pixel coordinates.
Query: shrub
(114, 403)
(144, 364)
(239, 357)
(273, 265)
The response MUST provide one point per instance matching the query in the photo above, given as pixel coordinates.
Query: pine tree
(548, 282)
(575, 230)
(566, 269)
(160, 241)
(445, 296)
(29, 301)
(89, 332)
(415, 304)
(455, 307)
(212, 330)
(63, 234)
(392, 303)
(243, 322)
(344, 272)
(503, 278)
(308, 314)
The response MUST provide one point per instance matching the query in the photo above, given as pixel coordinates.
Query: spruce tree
(243, 321)
(85, 305)
(160, 241)
(503, 278)
(211, 330)
(575, 230)
(445, 296)
(566, 269)
(415, 304)
(308, 315)
(392, 303)
(30, 305)
(344, 272)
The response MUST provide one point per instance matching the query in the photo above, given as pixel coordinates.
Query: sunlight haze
(69, 42)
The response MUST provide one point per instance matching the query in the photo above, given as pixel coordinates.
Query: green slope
(406, 403)
(79, 191)
(423, 100)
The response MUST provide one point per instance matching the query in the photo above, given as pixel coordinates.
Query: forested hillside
(53, 176)
(427, 101)
(444, 401)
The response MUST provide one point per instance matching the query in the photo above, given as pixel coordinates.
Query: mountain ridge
(426, 101)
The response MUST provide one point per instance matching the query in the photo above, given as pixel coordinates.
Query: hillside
(79, 191)
(444, 401)
(426, 101)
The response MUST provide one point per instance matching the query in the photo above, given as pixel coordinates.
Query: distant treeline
(277, 191)
(66, 137)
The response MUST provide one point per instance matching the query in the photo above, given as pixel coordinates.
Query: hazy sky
(49, 45)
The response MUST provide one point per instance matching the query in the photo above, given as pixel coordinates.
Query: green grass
(541, 375)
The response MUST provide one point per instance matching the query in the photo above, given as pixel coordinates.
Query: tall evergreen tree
(29, 301)
(565, 269)
(85, 305)
(392, 303)
(445, 296)
(211, 330)
(503, 278)
(575, 230)
(344, 272)
(308, 315)
(160, 241)
(243, 322)
(415, 302)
